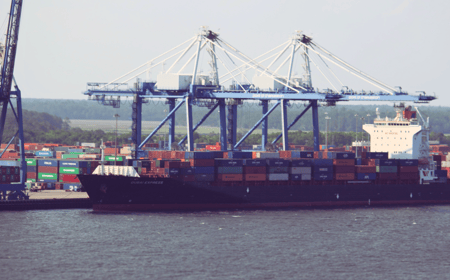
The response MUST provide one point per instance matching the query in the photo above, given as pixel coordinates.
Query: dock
(49, 199)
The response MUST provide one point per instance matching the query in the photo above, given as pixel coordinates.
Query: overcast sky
(65, 44)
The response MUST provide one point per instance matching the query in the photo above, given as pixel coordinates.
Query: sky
(65, 44)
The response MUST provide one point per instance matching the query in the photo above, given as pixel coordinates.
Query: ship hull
(120, 193)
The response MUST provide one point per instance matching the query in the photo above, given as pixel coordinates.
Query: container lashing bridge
(269, 87)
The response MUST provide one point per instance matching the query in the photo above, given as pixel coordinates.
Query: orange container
(255, 177)
(345, 176)
(230, 177)
(344, 162)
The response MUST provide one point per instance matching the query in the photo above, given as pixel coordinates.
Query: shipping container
(31, 168)
(386, 162)
(198, 155)
(374, 155)
(204, 170)
(277, 162)
(255, 177)
(73, 163)
(47, 162)
(187, 171)
(408, 162)
(323, 162)
(230, 169)
(327, 169)
(31, 161)
(344, 169)
(255, 169)
(48, 169)
(265, 155)
(229, 162)
(204, 177)
(408, 176)
(202, 162)
(296, 177)
(69, 170)
(301, 170)
(387, 176)
(408, 168)
(306, 177)
(365, 169)
(278, 177)
(344, 176)
(69, 178)
(301, 162)
(366, 176)
(278, 169)
(47, 176)
(238, 154)
(172, 171)
(255, 162)
(44, 154)
(230, 177)
(323, 176)
(344, 162)
(387, 169)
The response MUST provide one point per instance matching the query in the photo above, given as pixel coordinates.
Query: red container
(387, 176)
(172, 164)
(285, 154)
(187, 178)
(344, 162)
(371, 162)
(255, 177)
(344, 176)
(366, 169)
(344, 169)
(409, 175)
(48, 169)
(407, 169)
(255, 169)
(202, 162)
(230, 177)
(31, 175)
(69, 178)
(185, 164)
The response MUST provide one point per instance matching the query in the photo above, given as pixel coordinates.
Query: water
(349, 243)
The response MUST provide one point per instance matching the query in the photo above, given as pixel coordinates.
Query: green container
(31, 161)
(113, 158)
(48, 176)
(278, 169)
(69, 170)
(31, 180)
(387, 169)
(76, 153)
(66, 156)
(230, 170)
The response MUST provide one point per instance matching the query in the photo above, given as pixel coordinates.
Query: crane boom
(10, 49)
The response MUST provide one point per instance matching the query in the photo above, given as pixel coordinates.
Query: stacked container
(408, 169)
(278, 169)
(31, 169)
(203, 165)
(255, 170)
(301, 169)
(387, 169)
(323, 169)
(230, 169)
(48, 170)
(9, 171)
(343, 165)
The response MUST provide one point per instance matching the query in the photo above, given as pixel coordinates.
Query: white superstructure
(401, 136)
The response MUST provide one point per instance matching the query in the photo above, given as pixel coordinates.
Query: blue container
(301, 162)
(345, 155)
(229, 162)
(75, 150)
(71, 186)
(73, 163)
(237, 154)
(323, 176)
(295, 154)
(366, 176)
(386, 162)
(198, 155)
(296, 177)
(47, 181)
(323, 162)
(9, 163)
(306, 154)
(31, 168)
(377, 155)
(204, 177)
(44, 153)
(187, 171)
(359, 161)
(230, 170)
(204, 170)
(441, 173)
(408, 162)
(48, 162)
(255, 162)
(61, 149)
(217, 154)
(277, 162)
(321, 169)
(172, 171)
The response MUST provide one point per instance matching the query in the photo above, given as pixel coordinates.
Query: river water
(347, 243)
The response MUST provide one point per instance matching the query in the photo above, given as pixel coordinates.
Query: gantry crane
(194, 88)
(7, 95)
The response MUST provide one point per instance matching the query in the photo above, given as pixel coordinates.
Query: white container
(306, 177)
(278, 177)
(267, 155)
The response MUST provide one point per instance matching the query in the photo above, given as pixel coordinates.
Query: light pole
(362, 137)
(326, 133)
(115, 145)
(356, 129)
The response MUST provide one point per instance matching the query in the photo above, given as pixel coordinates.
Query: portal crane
(12, 191)
(194, 88)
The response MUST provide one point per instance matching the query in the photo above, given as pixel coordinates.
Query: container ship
(399, 170)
